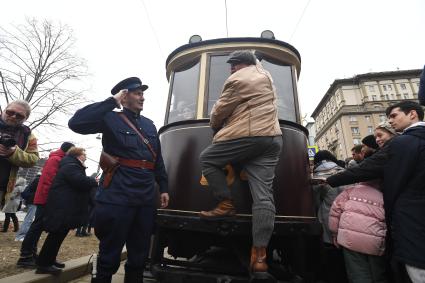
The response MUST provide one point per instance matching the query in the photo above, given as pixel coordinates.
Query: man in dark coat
(127, 198)
(66, 206)
(401, 165)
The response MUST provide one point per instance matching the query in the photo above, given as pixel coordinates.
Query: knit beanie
(66, 146)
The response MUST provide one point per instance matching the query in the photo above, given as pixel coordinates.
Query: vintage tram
(217, 251)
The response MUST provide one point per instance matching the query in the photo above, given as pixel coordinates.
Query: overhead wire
(152, 28)
(299, 20)
(227, 27)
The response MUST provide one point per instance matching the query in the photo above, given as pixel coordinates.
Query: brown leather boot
(258, 259)
(224, 209)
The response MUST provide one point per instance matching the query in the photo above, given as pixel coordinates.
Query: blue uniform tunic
(126, 209)
(129, 186)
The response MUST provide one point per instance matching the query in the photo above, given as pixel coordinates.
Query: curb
(74, 269)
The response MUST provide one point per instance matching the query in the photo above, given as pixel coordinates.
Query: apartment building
(352, 108)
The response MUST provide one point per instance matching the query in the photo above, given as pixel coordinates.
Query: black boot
(59, 264)
(6, 224)
(133, 277)
(48, 270)
(26, 262)
(15, 223)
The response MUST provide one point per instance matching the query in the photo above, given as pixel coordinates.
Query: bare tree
(38, 64)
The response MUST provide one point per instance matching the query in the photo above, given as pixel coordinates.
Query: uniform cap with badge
(131, 84)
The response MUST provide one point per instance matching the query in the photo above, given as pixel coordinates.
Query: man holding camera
(18, 146)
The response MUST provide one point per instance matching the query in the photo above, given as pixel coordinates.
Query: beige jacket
(247, 106)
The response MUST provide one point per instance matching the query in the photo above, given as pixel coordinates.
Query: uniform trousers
(259, 157)
(116, 226)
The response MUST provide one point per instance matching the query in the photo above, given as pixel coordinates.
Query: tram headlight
(195, 38)
(267, 34)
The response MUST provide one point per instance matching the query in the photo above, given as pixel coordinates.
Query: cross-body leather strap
(145, 140)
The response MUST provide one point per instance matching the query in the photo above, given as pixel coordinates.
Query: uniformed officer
(126, 207)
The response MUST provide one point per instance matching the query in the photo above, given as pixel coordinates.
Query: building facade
(352, 108)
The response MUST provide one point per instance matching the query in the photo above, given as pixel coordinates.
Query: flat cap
(242, 56)
(131, 84)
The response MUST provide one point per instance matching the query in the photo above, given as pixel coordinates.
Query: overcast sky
(336, 38)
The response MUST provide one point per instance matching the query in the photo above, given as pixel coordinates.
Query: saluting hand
(165, 198)
(120, 96)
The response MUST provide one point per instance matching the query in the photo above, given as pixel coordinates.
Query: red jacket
(47, 175)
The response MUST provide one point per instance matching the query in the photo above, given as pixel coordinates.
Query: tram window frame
(295, 106)
(185, 67)
(207, 111)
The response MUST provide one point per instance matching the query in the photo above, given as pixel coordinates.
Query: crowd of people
(372, 208)
(376, 218)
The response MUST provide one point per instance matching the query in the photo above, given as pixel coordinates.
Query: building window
(384, 87)
(370, 130)
(382, 118)
(355, 130)
(367, 118)
(371, 88)
(390, 87)
(356, 141)
(403, 86)
(373, 97)
(353, 119)
(406, 95)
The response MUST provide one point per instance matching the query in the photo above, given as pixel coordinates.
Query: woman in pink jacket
(357, 221)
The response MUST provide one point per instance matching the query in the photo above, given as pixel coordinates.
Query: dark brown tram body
(196, 73)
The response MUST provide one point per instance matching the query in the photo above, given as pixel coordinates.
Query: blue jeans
(25, 226)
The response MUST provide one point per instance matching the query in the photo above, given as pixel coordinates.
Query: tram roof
(234, 40)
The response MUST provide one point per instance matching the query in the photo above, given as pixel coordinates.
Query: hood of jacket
(59, 152)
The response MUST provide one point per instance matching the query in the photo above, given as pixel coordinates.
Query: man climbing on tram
(247, 132)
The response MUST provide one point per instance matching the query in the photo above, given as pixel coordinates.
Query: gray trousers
(259, 157)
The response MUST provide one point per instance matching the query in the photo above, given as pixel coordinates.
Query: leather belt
(144, 164)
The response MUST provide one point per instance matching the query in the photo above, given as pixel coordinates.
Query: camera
(7, 140)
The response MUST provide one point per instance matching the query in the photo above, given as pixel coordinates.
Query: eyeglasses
(18, 116)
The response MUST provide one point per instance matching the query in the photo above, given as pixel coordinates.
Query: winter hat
(387, 127)
(66, 146)
(370, 141)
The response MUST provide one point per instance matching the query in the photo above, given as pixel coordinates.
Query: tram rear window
(282, 77)
(184, 93)
(218, 73)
